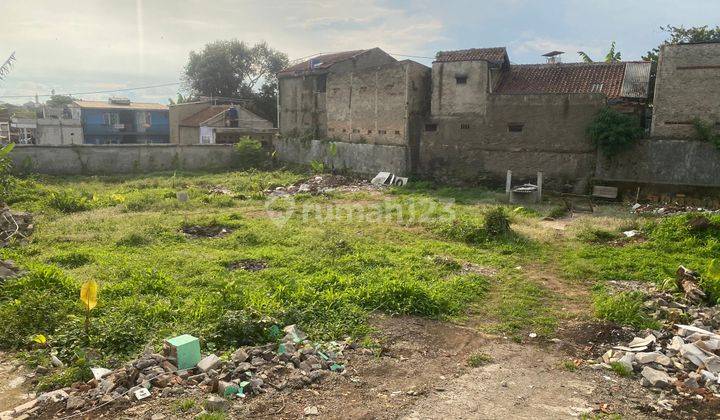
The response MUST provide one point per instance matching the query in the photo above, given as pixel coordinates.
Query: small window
(431, 127)
(464, 126)
(355, 130)
(111, 119)
(515, 128)
(369, 131)
(397, 132)
(382, 132)
(331, 129)
(460, 80)
(344, 130)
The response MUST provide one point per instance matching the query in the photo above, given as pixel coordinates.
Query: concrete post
(539, 185)
(508, 184)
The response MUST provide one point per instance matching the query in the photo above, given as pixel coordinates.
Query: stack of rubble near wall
(14, 226)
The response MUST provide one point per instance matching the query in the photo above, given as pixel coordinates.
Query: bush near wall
(614, 132)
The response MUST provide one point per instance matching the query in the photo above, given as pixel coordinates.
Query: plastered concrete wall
(687, 87)
(179, 112)
(53, 131)
(188, 135)
(119, 159)
(664, 161)
(366, 159)
(376, 105)
(450, 98)
(302, 101)
(552, 140)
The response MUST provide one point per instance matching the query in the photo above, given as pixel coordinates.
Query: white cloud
(88, 45)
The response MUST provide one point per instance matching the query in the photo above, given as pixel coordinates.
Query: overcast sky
(89, 45)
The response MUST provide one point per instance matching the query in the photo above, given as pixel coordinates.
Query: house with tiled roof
(213, 122)
(489, 115)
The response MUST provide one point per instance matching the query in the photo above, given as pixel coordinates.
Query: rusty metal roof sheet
(636, 81)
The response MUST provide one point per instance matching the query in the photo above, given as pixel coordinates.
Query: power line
(97, 91)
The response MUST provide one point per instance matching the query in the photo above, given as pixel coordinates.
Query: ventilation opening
(355, 130)
(460, 80)
(464, 126)
(431, 127)
(515, 128)
(382, 131)
(321, 83)
(397, 131)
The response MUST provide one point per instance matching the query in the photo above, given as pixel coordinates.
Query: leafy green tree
(233, 69)
(181, 99)
(610, 57)
(678, 34)
(58, 101)
(614, 132)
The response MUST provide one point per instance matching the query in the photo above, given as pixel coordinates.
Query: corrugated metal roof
(636, 81)
(133, 105)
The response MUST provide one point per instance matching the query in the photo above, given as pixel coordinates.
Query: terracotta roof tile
(493, 55)
(320, 62)
(195, 119)
(606, 78)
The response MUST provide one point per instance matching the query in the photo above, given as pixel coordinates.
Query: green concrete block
(185, 349)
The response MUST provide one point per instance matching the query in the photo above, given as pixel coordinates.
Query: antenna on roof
(553, 57)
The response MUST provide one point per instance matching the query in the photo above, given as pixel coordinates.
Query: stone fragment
(293, 334)
(100, 372)
(642, 342)
(227, 388)
(216, 404)
(239, 356)
(74, 402)
(56, 362)
(311, 411)
(53, 396)
(627, 360)
(655, 378)
(676, 343)
(209, 362)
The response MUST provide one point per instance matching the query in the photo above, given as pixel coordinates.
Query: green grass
(328, 276)
(479, 359)
(621, 369)
(625, 308)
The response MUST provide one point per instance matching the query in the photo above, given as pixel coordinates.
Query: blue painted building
(119, 121)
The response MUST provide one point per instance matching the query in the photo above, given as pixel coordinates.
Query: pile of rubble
(8, 270)
(322, 184)
(14, 225)
(293, 363)
(668, 208)
(682, 357)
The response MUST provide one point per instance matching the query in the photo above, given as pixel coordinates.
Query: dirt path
(13, 385)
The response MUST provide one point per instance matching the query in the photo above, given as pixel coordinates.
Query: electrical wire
(94, 92)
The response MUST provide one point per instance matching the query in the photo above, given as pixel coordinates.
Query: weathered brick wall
(687, 87)
(552, 140)
(450, 98)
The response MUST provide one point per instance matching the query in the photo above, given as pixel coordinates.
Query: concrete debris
(664, 209)
(655, 378)
(14, 226)
(631, 233)
(8, 270)
(293, 362)
(311, 411)
(682, 358)
(388, 178)
(323, 184)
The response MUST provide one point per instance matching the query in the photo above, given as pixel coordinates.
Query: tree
(58, 101)
(610, 57)
(181, 99)
(233, 69)
(680, 34)
(613, 132)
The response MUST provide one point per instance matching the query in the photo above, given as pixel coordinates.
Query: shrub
(249, 153)
(624, 308)
(463, 229)
(497, 222)
(6, 179)
(710, 281)
(479, 359)
(237, 328)
(705, 131)
(621, 369)
(614, 132)
(69, 201)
